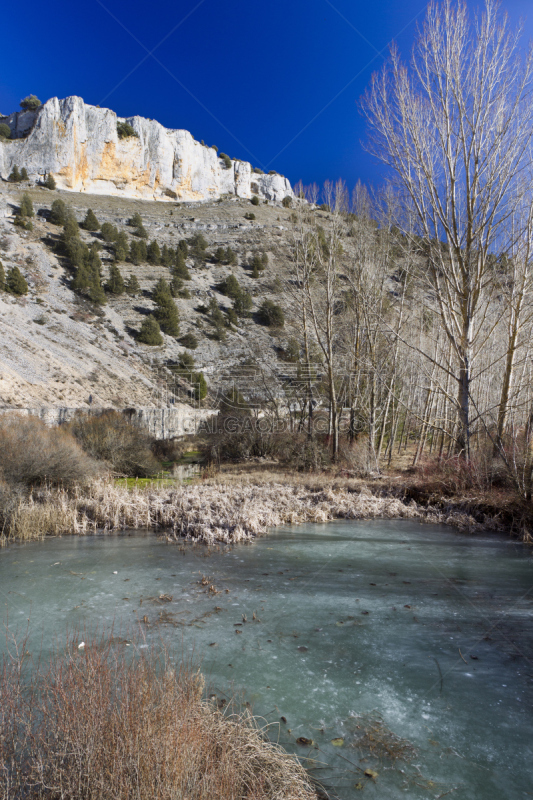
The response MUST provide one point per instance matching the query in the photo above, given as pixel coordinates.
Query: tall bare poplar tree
(455, 127)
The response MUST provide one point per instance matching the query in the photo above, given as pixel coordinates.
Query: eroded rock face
(79, 145)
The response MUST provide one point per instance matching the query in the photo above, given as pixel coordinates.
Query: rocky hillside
(58, 349)
(80, 146)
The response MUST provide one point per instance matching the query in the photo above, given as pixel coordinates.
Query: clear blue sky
(274, 82)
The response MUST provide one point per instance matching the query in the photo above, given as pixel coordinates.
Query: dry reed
(94, 724)
(227, 512)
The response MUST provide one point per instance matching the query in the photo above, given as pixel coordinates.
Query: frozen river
(395, 647)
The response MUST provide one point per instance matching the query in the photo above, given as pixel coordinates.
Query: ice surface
(362, 631)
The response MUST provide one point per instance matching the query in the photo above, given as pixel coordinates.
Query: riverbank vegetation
(100, 721)
(87, 475)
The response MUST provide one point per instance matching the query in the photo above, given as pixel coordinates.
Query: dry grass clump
(225, 512)
(32, 454)
(40, 513)
(95, 725)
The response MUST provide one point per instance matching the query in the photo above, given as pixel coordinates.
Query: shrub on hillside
(197, 243)
(90, 223)
(14, 175)
(189, 340)
(132, 286)
(177, 289)
(216, 317)
(30, 103)
(88, 274)
(49, 182)
(258, 264)
(230, 286)
(16, 282)
(135, 220)
(153, 253)
(115, 284)
(24, 213)
(137, 252)
(225, 255)
(271, 314)
(2, 278)
(242, 304)
(58, 212)
(167, 256)
(186, 369)
(166, 312)
(5, 131)
(23, 222)
(286, 202)
(111, 438)
(255, 200)
(226, 159)
(179, 270)
(125, 130)
(137, 223)
(232, 317)
(32, 453)
(120, 247)
(71, 229)
(150, 332)
(26, 206)
(109, 232)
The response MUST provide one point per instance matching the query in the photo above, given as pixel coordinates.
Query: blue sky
(275, 82)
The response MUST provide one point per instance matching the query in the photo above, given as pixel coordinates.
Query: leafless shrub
(456, 474)
(94, 724)
(239, 437)
(303, 453)
(110, 437)
(357, 458)
(169, 449)
(248, 439)
(32, 453)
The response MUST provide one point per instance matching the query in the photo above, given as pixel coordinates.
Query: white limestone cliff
(79, 145)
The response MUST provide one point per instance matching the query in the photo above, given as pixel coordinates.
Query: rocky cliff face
(79, 145)
(161, 423)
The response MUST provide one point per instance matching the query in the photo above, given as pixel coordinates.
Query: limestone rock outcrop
(160, 423)
(79, 145)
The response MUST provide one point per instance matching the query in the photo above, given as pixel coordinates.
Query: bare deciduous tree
(455, 128)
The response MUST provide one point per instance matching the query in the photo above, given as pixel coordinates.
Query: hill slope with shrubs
(100, 297)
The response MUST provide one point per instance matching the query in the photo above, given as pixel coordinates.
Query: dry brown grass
(229, 509)
(95, 724)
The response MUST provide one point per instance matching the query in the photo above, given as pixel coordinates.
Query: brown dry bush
(302, 453)
(455, 475)
(95, 725)
(110, 437)
(245, 438)
(169, 449)
(33, 454)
